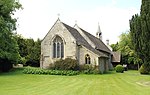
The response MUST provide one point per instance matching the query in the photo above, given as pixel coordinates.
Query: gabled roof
(116, 56)
(76, 35)
(98, 43)
(58, 20)
(81, 41)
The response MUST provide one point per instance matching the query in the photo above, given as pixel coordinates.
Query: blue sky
(38, 16)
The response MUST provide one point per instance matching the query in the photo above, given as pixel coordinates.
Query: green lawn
(128, 83)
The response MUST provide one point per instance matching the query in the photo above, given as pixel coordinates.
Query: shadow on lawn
(14, 71)
(109, 72)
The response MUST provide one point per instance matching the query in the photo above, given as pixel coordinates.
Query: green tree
(22, 45)
(29, 51)
(34, 51)
(114, 47)
(8, 46)
(135, 28)
(22, 48)
(125, 47)
(140, 33)
(145, 27)
(128, 55)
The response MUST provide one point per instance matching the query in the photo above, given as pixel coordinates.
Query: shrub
(67, 64)
(88, 69)
(31, 70)
(144, 69)
(85, 67)
(51, 66)
(119, 69)
(95, 71)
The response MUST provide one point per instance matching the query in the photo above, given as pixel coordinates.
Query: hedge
(32, 70)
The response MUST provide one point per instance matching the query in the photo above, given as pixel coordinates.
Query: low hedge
(31, 70)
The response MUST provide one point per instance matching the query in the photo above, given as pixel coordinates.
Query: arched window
(87, 59)
(58, 47)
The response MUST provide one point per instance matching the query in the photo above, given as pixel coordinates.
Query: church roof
(116, 56)
(98, 43)
(81, 40)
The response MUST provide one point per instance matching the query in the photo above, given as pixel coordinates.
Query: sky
(38, 16)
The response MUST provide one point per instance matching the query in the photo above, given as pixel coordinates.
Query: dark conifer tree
(140, 34)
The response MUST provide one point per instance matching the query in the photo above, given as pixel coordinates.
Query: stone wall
(83, 51)
(71, 49)
(47, 44)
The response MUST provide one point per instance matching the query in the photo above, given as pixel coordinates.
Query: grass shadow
(13, 71)
(109, 72)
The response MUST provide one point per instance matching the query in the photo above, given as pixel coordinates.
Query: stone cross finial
(58, 15)
(75, 21)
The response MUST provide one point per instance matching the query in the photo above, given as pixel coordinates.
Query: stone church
(64, 41)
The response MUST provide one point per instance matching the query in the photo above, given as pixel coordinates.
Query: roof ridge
(96, 39)
(51, 28)
(81, 40)
(68, 25)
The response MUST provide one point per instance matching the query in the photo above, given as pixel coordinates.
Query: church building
(64, 41)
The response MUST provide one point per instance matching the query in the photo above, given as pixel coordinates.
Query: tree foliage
(145, 27)
(14, 48)
(29, 51)
(114, 47)
(135, 28)
(8, 48)
(125, 46)
(34, 51)
(140, 33)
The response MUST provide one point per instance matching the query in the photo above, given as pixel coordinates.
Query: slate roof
(98, 43)
(81, 41)
(116, 56)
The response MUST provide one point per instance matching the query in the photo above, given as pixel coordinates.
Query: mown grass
(128, 83)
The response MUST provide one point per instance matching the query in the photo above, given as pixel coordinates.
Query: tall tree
(29, 51)
(140, 33)
(34, 50)
(22, 45)
(8, 45)
(136, 32)
(145, 27)
(126, 48)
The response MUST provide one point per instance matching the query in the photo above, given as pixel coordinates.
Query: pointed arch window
(87, 59)
(58, 47)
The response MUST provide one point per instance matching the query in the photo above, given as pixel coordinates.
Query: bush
(144, 69)
(31, 70)
(72, 64)
(119, 69)
(95, 71)
(67, 64)
(88, 69)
